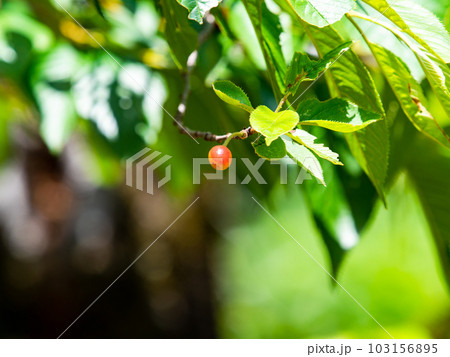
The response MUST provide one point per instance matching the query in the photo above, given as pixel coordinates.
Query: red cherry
(219, 157)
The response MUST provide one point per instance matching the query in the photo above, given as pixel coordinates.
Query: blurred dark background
(69, 226)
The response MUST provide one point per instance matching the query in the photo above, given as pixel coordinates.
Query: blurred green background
(70, 116)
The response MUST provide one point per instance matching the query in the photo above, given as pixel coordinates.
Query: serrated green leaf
(271, 124)
(436, 70)
(404, 86)
(308, 140)
(321, 12)
(336, 114)
(422, 25)
(181, 37)
(304, 158)
(198, 8)
(297, 71)
(268, 30)
(349, 78)
(232, 94)
(303, 68)
(275, 151)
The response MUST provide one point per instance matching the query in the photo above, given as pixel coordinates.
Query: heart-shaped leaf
(271, 124)
(336, 114)
(275, 151)
(232, 94)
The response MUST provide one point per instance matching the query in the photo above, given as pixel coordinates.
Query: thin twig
(181, 110)
(190, 65)
(208, 136)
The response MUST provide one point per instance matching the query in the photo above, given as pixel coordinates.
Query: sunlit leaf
(350, 79)
(232, 94)
(198, 8)
(271, 124)
(418, 22)
(58, 116)
(304, 158)
(321, 12)
(308, 140)
(335, 114)
(403, 84)
(436, 70)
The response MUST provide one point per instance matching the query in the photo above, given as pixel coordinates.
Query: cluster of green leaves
(356, 108)
(76, 88)
(282, 128)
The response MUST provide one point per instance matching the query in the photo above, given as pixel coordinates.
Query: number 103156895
(403, 348)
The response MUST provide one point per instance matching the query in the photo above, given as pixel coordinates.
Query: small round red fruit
(219, 157)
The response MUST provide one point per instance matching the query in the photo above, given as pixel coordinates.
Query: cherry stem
(237, 134)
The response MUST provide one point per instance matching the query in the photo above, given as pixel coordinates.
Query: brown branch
(190, 65)
(208, 136)
(181, 109)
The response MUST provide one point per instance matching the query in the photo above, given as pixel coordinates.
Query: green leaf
(403, 84)
(51, 82)
(98, 7)
(275, 151)
(422, 25)
(436, 70)
(336, 114)
(130, 5)
(331, 214)
(299, 68)
(308, 140)
(232, 94)
(302, 68)
(342, 209)
(321, 12)
(429, 170)
(198, 8)
(58, 116)
(304, 158)
(271, 124)
(181, 37)
(268, 31)
(350, 79)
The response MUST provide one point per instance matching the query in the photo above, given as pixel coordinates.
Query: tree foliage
(115, 74)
